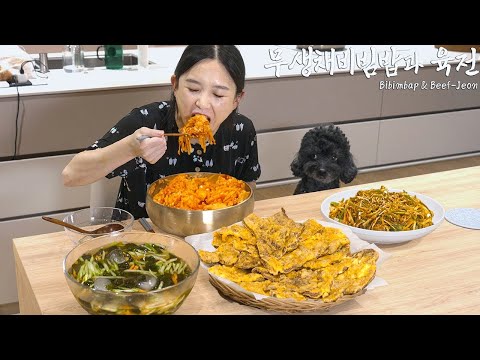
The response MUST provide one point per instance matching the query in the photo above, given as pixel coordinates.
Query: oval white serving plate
(386, 237)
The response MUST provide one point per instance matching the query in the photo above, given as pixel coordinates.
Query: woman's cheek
(188, 98)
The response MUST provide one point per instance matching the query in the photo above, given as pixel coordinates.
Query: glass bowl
(165, 300)
(93, 218)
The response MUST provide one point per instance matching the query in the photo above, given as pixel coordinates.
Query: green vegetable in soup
(130, 268)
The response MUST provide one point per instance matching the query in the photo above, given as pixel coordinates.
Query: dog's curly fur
(323, 160)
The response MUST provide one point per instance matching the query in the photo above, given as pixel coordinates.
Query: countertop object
(143, 56)
(413, 268)
(146, 225)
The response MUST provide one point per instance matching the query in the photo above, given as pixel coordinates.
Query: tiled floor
(367, 177)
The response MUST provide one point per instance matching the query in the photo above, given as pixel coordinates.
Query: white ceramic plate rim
(386, 237)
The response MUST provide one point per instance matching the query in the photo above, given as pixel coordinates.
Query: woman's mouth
(208, 118)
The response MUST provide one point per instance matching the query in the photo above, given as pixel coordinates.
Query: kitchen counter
(258, 62)
(436, 274)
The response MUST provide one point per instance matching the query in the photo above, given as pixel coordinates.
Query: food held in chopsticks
(196, 127)
(382, 210)
(278, 257)
(202, 193)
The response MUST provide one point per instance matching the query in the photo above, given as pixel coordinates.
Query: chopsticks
(143, 137)
(146, 225)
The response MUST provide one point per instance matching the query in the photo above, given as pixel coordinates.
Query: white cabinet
(29, 188)
(428, 136)
(287, 103)
(385, 126)
(380, 142)
(34, 186)
(68, 121)
(12, 229)
(363, 141)
(277, 149)
(8, 112)
(401, 102)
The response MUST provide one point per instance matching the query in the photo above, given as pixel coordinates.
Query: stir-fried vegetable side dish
(130, 268)
(202, 193)
(196, 127)
(379, 209)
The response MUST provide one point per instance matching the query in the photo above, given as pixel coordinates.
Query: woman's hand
(152, 148)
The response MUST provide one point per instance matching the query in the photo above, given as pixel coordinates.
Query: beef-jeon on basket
(290, 266)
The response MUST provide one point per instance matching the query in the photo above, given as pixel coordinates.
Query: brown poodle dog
(323, 160)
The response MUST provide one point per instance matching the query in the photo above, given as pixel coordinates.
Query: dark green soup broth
(130, 268)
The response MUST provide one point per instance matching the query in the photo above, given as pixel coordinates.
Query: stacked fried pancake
(276, 256)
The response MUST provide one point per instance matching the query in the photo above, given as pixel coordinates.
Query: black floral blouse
(235, 153)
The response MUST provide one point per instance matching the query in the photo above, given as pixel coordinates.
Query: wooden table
(437, 274)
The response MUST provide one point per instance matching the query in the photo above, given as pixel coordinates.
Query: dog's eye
(313, 156)
(334, 158)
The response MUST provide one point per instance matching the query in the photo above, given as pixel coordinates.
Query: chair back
(104, 192)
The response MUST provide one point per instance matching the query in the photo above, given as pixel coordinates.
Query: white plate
(386, 237)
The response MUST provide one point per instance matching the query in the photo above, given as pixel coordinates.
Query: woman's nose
(202, 101)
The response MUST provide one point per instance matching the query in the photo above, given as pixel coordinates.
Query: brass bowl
(188, 222)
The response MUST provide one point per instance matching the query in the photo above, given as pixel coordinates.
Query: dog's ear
(349, 170)
(296, 167)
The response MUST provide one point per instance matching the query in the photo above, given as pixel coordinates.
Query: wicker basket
(289, 306)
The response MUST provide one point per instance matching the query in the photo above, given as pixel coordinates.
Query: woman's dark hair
(228, 55)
